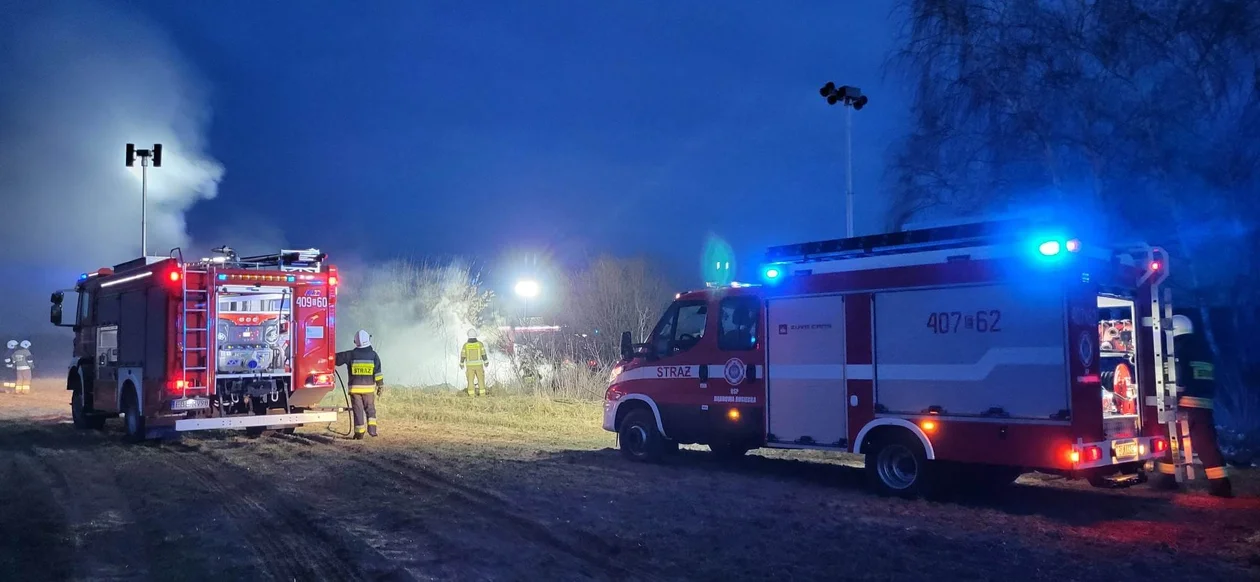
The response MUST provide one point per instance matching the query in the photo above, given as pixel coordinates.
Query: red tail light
(176, 386)
(1092, 453)
(1159, 445)
(319, 380)
(174, 276)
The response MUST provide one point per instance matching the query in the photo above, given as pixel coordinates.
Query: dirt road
(445, 501)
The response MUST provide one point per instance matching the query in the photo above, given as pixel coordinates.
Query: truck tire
(638, 438)
(133, 420)
(897, 465)
(81, 411)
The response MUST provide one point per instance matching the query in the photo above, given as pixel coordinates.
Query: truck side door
(682, 346)
(737, 382)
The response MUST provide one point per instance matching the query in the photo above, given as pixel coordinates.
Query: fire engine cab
(224, 342)
(949, 356)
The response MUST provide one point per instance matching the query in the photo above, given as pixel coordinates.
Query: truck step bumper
(269, 421)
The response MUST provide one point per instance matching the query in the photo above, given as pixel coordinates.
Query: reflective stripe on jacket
(365, 369)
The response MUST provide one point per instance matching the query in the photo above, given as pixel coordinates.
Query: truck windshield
(680, 328)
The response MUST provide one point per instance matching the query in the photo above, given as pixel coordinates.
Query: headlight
(616, 371)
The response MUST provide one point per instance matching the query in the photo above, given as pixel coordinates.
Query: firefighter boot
(1164, 477)
(358, 432)
(1218, 482)
(1221, 488)
(371, 427)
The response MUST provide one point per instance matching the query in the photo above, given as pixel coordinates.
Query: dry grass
(510, 418)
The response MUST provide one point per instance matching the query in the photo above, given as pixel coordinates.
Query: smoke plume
(78, 81)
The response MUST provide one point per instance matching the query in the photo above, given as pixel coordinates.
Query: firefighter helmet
(12, 344)
(362, 339)
(25, 344)
(472, 333)
(1182, 325)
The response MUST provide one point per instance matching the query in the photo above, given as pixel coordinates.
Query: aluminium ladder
(194, 334)
(1161, 326)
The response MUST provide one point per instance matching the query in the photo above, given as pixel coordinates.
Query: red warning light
(174, 276)
(1155, 266)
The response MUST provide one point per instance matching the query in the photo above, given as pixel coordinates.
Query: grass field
(529, 488)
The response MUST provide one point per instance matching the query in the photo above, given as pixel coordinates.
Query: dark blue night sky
(561, 128)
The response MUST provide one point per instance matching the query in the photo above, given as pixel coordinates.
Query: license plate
(190, 404)
(1125, 450)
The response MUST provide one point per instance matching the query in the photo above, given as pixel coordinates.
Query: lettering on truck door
(682, 343)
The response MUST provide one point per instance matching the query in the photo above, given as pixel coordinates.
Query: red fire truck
(225, 342)
(954, 355)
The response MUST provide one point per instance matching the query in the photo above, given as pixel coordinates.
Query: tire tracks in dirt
(102, 528)
(291, 543)
(487, 504)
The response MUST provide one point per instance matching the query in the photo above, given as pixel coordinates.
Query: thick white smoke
(78, 81)
(419, 317)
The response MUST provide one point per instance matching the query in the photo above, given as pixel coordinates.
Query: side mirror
(58, 297)
(55, 315)
(627, 347)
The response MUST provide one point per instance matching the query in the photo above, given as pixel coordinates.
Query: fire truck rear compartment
(1118, 371)
(253, 356)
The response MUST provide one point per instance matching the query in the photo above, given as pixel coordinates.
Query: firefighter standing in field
(9, 374)
(23, 363)
(1196, 384)
(473, 360)
(366, 382)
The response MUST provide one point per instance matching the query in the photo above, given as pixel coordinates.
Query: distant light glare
(527, 289)
(1073, 246)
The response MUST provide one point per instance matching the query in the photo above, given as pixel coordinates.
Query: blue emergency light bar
(1014, 231)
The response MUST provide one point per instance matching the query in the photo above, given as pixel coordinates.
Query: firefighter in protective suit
(23, 363)
(473, 360)
(1196, 384)
(9, 374)
(366, 382)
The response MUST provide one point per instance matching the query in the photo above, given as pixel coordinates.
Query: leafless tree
(613, 295)
(1141, 115)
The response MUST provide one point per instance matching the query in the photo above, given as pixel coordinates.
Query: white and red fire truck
(963, 354)
(216, 343)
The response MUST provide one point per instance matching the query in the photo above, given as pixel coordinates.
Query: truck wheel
(898, 466)
(133, 420)
(638, 438)
(728, 450)
(82, 413)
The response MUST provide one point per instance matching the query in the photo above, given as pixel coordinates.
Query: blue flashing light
(290, 278)
(83, 277)
(222, 277)
(773, 273)
(1050, 248)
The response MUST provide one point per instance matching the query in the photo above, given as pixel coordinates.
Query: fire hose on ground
(345, 392)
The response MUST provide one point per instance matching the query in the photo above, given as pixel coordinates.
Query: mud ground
(445, 501)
